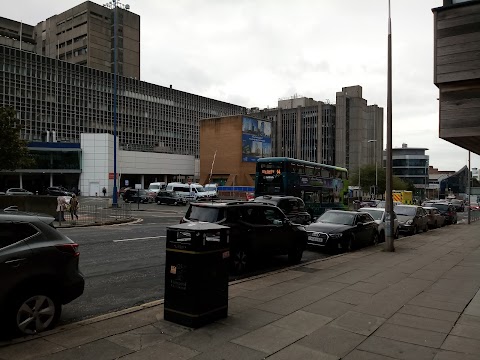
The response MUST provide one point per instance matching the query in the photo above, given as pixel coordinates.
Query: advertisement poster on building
(256, 139)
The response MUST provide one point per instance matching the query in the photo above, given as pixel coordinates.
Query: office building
(84, 35)
(456, 71)
(359, 130)
(411, 165)
(17, 34)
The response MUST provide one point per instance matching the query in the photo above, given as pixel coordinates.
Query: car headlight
(336, 235)
(409, 222)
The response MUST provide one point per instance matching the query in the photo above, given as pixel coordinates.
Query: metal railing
(97, 215)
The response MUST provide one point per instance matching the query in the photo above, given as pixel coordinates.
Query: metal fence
(97, 214)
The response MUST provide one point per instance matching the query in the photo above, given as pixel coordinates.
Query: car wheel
(347, 244)
(295, 254)
(240, 261)
(375, 238)
(34, 312)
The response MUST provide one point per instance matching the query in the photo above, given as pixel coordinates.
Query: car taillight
(71, 249)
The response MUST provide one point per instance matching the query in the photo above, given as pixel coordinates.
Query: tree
(13, 150)
(367, 179)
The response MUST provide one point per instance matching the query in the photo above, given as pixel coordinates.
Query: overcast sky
(252, 52)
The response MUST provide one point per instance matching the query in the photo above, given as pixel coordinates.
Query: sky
(253, 52)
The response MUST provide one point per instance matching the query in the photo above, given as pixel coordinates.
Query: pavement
(420, 302)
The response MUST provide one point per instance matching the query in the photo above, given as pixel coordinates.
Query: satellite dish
(127, 7)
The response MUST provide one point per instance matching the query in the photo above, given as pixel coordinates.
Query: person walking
(104, 190)
(74, 206)
(61, 206)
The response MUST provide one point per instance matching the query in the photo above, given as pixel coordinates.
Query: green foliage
(367, 179)
(13, 150)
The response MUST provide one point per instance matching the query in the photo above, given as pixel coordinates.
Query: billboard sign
(256, 139)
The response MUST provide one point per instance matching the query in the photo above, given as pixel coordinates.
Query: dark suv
(293, 207)
(58, 191)
(256, 230)
(38, 273)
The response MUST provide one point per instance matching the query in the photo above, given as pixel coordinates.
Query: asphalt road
(124, 265)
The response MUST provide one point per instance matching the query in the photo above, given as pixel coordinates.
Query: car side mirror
(359, 224)
(286, 221)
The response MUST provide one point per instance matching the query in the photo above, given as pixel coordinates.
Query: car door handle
(15, 262)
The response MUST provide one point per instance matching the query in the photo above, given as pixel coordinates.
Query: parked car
(256, 230)
(38, 273)
(435, 219)
(382, 204)
(18, 191)
(293, 207)
(155, 187)
(459, 205)
(137, 196)
(122, 190)
(448, 211)
(474, 206)
(212, 190)
(411, 219)
(58, 191)
(380, 216)
(340, 230)
(170, 198)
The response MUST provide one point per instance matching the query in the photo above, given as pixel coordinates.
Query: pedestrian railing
(474, 215)
(97, 214)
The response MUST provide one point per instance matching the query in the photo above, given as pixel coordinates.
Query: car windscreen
(204, 213)
(154, 187)
(405, 210)
(210, 188)
(199, 189)
(441, 207)
(377, 215)
(337, 218)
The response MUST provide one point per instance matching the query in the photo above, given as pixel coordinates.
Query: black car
(447, 210)
(293, 207)
(411, 219)
(58, 191)
(38, 273)
(137, 196)
(458, 204)
(256, 230)
(338, 230)
(169, 198)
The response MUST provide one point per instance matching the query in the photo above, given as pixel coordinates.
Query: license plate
(316, 239)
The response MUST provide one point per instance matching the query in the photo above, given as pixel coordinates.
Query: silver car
(18, 191)
(380, 217)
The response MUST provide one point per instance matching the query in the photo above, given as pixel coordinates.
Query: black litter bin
(196, 273)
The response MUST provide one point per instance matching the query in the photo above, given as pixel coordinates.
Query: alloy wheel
(36, 314)
(240, 261)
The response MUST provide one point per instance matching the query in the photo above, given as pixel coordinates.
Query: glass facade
(55, 97)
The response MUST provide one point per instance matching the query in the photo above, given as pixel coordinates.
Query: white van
(211, 189)
(155, 187)
(189, 192)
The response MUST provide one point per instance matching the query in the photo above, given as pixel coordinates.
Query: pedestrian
(104, 190)
(74, 206)
(61, 206)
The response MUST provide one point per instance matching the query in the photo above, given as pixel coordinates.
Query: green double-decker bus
(321, 187)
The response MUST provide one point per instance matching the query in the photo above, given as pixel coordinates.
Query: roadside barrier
(97, 215)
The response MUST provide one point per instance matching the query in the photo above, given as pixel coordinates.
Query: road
(124, 265)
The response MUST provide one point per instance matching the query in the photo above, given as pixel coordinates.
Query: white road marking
(144, 238)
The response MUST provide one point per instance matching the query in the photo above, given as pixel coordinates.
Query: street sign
(138, 186)
(126, 182)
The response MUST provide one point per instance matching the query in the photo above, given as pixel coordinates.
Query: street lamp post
(114, 199)
(376, 167)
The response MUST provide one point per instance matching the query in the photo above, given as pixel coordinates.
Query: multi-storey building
(303, 128)
(359, 130)
(411, 165)
(16, 34)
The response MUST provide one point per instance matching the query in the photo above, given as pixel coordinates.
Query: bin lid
(198, 226)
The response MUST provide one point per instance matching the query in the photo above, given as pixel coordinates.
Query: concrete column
(298, 138)
(21, 181)
(51, 179)
(142, 181)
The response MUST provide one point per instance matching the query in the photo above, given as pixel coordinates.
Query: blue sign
(256, 139)
(126, 182)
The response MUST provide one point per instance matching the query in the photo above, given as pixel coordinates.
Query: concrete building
(358, 131)
(84, 35)
(411, 165)
(435, 177)
(457, 71)
(299, 131)
(229, 148)
(16, 34)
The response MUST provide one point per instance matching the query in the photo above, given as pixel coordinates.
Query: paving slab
(356, 275)
(332, 340)
(274, 291)
(250, 319)
(472, 332)
(469, 320)
(397, 349)
(302, 322)
(208, 337)
(139, 338)
(350, 297)
(411, 335)
(171, 329)
(268, 339)
(98, 350)
(329, 308)
(358, 323)
(162, 351)
(451, 298)
(367, 287)
(239, 304)
(387, 277)
(81, 335)
(300, 352)
(429, 312)
(435, 304)
(462, 345)
(451, 355)
(418, 322)
(29, 349)
(365, 355)
(231, 351)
